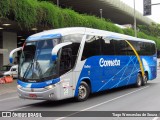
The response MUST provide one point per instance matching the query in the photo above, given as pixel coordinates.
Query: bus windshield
(36, 61)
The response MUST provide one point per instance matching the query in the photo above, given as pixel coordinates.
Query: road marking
(19, 108)
(8, 98)
(155, 118)
(12, 91)
(102, 103)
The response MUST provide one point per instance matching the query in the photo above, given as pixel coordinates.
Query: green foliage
(153, 29)
(143, 35)
(128, 31)
(32, 13)
(44, 0)
(25, 12)
(4, 8)
(49, 14)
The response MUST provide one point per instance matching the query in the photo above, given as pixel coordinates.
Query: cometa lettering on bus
(105, 63)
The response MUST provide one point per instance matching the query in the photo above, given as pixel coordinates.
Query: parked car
(4, 69)
(12, 72)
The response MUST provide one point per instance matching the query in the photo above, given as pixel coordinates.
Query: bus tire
(83, 92)
(139, 80)
(145, 79)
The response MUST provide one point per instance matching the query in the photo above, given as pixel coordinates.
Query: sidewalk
(8, 87)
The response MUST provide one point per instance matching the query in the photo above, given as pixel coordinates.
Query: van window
(13, 69)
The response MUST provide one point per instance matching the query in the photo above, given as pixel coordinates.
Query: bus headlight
(18, 86)
(50, 87)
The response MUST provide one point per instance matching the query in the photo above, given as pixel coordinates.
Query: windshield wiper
(28, 68)
(39, 69)
(31, 64)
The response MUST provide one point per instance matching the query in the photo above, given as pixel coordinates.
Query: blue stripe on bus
(44, 37)
(38, 84)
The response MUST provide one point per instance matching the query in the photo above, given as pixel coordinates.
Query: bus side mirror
(12, 52)
(54, 57)
(57, 48)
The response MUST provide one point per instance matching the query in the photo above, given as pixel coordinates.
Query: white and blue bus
(75, 62)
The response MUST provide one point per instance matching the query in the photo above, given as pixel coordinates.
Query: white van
(13, 71)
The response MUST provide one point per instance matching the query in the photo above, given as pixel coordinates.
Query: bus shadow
(53, 103)
(117, 90)
(111, 91)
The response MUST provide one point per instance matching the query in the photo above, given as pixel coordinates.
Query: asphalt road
(145, 98)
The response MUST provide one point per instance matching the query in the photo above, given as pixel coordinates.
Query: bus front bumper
(50, 93)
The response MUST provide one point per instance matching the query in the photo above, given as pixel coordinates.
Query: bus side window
(75, 48)
(152, 49)
(65, 60)
(68, 57)
(107, 47)
(91, 48)
(121, 47)
(143, 48)
(147, 48)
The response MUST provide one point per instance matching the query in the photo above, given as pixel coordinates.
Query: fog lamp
(51, 95)
(50, 87)
(18, 86)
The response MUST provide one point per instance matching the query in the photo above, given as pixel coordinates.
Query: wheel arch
(85, 79)
(88, 82)
(146, 72)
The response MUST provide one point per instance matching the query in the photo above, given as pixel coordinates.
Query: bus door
(65, 71)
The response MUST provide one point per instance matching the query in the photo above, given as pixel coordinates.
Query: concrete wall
(9, 43)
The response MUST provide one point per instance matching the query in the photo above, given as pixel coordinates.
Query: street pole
(58, 3)
(135, 31)
(101, 10)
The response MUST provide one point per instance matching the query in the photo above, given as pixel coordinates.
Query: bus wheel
(83, 92)
(139, 80)
(145, 79)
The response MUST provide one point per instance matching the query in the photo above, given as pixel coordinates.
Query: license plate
(32, 95)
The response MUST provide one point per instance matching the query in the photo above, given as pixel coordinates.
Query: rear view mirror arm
(57, 48)
(12, 52)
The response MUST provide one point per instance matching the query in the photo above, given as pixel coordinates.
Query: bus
(77, 61)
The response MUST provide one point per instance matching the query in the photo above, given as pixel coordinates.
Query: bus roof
(58, 33)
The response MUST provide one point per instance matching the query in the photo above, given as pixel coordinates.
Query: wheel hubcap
(145, 79)
(139, 81)
(82, 92)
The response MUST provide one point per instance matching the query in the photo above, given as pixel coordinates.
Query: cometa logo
(105, 63)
